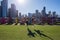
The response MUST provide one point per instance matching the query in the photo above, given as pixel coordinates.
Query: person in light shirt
(16, 21)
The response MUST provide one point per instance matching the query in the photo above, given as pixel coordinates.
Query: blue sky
(32, 5)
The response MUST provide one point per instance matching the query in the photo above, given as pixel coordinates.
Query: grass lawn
(19, 32)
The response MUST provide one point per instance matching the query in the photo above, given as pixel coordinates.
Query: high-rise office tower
(49, 14)
(44, 12)
(4, 5)
(29, 15)
(20, 15)
(13, 11)
(9, 12)
(0, 12)
(54, 14)
(38, 14)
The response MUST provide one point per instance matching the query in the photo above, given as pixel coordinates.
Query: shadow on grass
(30, 33)
(41, 34)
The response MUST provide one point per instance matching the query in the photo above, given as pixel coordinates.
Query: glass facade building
(4, 5)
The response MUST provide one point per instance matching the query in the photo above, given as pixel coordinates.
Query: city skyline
(32, 5)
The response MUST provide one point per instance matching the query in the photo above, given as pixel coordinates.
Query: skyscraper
(49, 14)
(16, 13)
(44, 12)
(29, 15)
(20, 15)
(0, 11)
(54, 14)
(9, 12)
(13, 12)
(38, 14)
(4, 5)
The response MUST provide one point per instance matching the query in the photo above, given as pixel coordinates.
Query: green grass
(19, 32)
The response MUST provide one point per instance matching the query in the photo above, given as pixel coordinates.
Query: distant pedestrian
(16, 21)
